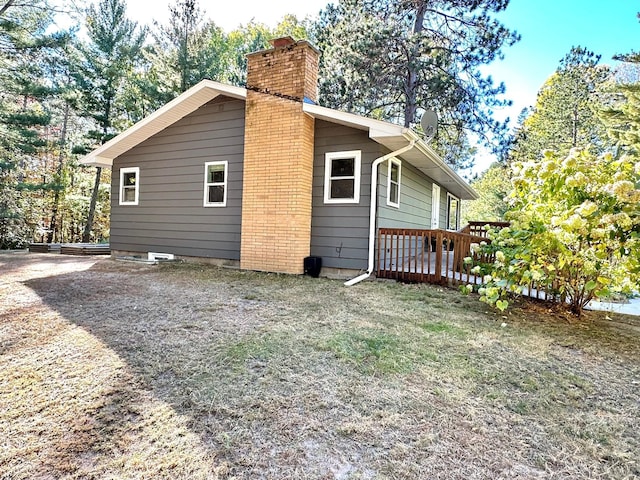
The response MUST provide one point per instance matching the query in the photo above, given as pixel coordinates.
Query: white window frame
(207, 184)
(136, 187)
(394, 161)
(435, 206)
(449, 197)
(329, 157)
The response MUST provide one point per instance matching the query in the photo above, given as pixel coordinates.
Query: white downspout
(372, 211)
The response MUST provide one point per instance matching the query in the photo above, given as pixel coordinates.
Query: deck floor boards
(71, 248)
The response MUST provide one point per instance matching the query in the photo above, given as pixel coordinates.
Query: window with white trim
(215, 184)
(393, 182)
(129, 185)
(342, 177)
(453, 212)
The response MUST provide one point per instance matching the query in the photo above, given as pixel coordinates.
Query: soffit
(188, 102)
(394, 137)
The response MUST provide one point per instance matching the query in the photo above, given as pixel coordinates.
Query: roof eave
(428, 162)
(373, 126)
(471, 194)
(179, 107)
(389, 135)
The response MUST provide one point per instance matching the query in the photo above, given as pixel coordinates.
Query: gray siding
(416, 190)
(415, 199)
(339, 232)
(170, 216)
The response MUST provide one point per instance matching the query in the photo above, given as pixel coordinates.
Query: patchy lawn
(121, 370)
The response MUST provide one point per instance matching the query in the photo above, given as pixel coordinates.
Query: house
(262, 177)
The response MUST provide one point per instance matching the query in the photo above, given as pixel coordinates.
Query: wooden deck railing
(437, 256)
(432, 256)
(479, 229)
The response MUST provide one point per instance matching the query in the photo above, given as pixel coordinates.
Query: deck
(431, 256)
(71, 248)
(436, 256)
(45, 247)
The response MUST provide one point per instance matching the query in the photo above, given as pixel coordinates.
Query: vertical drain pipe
(372, 211)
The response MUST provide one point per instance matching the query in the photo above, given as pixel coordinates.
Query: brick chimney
(278, 157)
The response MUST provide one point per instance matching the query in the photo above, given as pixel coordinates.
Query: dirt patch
(120, 370)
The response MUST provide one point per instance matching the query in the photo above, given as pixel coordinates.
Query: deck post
(423, 245)
(396, 236)
(438, 272)
(379, 248)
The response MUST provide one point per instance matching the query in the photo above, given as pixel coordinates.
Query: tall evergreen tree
(28, 54)
(622, 116)
(60, 157)
(622, 119)
(390, 58)
(101, 67)
(178, 45)
(565, 113)
(565, 116)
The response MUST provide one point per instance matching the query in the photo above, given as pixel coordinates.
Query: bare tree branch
(6, 6)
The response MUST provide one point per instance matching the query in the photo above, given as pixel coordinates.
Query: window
(342, 177)
(129, 185)
(453, 212)
(215, 184)
(393, 183)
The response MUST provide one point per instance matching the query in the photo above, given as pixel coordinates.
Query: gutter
(372, 210)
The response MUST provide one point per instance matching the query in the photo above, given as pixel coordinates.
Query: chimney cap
(282, 42)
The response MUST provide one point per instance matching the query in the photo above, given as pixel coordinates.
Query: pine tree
(178, 45)
(623, 119)
(622, 116)
(28, 55)
(565, 113)
(101, 67)
(389, 59)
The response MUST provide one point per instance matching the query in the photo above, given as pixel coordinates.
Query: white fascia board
(100, 161)
(394, 137)
(179, 107)
(449, 172)
(374, 127)
(425, 159)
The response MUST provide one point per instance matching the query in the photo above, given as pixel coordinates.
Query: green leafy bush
(574, 232)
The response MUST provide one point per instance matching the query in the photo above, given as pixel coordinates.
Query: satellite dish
(429, 123)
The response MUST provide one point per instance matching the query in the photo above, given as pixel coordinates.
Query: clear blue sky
(549, 28)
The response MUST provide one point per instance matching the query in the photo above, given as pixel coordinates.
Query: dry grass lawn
(121, 370)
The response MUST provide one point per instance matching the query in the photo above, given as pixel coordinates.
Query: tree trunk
(574, 133)
(411, 105)
(411, 87)
(6, 6)
(56, 195)
(86, 235)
